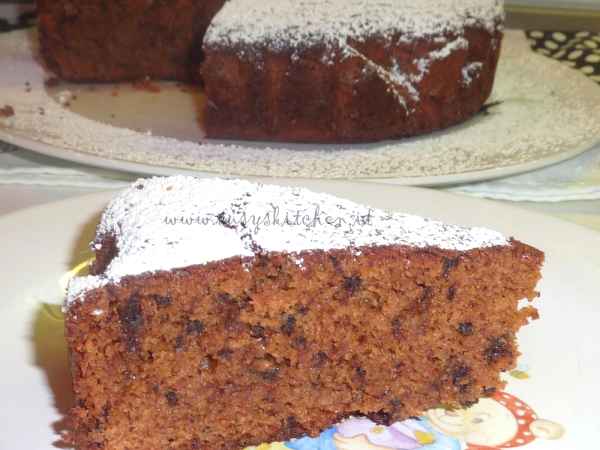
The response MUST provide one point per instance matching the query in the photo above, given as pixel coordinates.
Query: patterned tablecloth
(577, 179)
(579, 50)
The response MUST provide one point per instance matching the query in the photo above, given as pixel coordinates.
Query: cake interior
(229, 354)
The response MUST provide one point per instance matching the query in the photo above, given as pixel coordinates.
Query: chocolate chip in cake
(179, 343)
(424, 300)
(132, 320)
(194, 327)
(461, 378)
(465, 328)
(335, 262)
(451, 293)
(293, 428)
(498, 348)
(271, 374)
(459, 374)
(225, 298)
(399, 367)
(380, 418)
(288, 325)
(397, 328)
(171, 397)
(195, 444)
(361, 373)
(257, 331)
(448, 265)
(352, 284)
(162, 300)
(302, 309)
(299, 342)
(225, 353)
(465, 387)
(131, 313)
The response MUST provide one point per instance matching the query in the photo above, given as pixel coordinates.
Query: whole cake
(347, 70)
(222, 313)
(292, 70)
(109, 40)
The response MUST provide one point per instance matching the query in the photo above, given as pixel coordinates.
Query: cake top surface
(303, 22)
(175, 222)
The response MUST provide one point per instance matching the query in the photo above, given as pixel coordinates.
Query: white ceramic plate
(547, 114)
(561, 354)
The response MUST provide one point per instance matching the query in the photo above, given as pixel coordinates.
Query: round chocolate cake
(292, 70)
(348, 70)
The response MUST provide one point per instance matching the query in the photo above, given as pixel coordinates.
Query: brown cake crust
(293, 95)
(227, 354)
(100, 40)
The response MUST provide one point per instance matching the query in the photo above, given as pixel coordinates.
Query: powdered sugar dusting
(79, 285)
(471, 71)
(401, 84)
(167, 223)
(337, 25)
(296, 23)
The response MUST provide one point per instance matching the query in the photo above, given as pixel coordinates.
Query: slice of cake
(221, 314)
